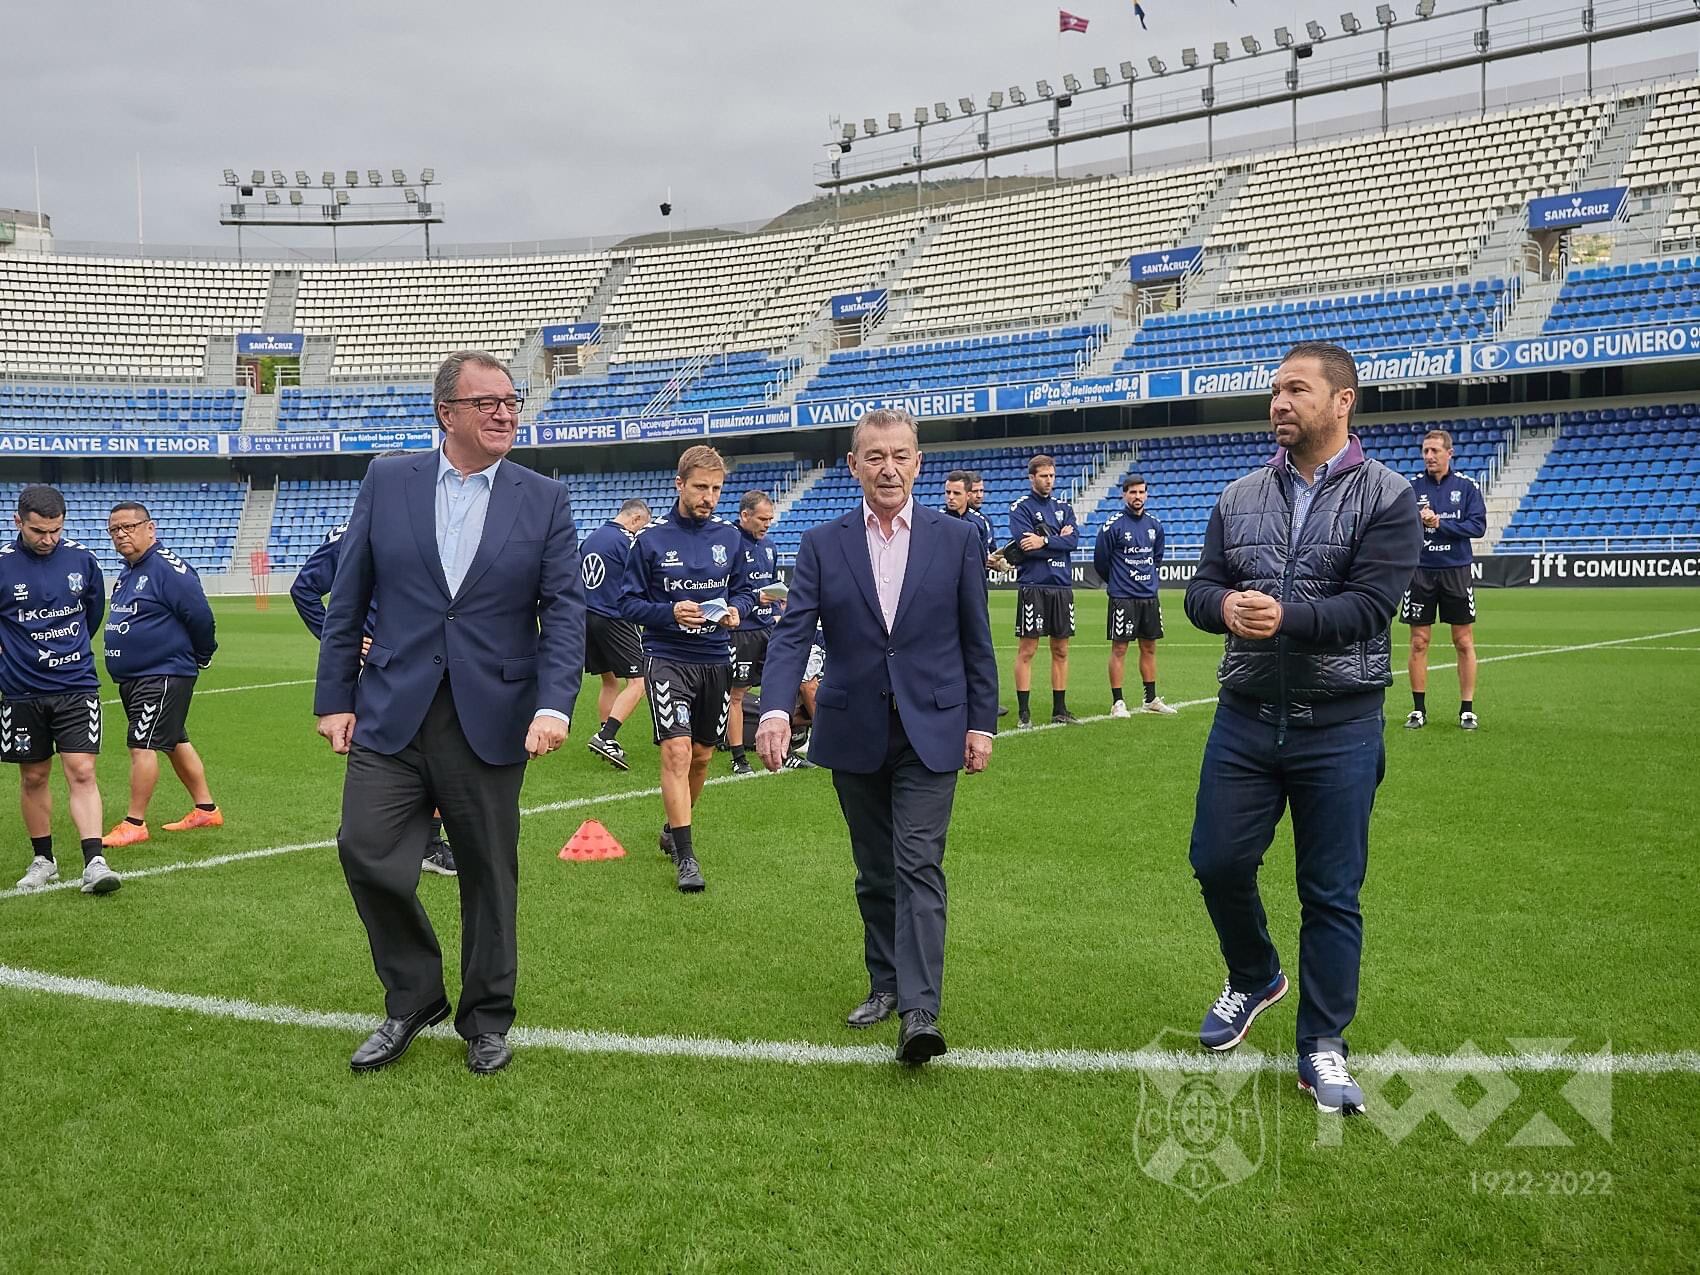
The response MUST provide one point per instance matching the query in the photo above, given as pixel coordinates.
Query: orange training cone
(590, 843)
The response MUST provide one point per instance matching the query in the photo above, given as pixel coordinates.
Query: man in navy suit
(476, 656)
(909, 698)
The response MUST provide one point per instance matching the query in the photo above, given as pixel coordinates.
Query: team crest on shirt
(20, 592)
(720, 555)
(74, 581)
(141, 583)
(1127, 537)
(1457, 496)
(1151, 533)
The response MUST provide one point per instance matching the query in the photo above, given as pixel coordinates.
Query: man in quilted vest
(1304, 563)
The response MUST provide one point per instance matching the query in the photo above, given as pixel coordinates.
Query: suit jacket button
(450, 616)
(892, 652)
(436, 659)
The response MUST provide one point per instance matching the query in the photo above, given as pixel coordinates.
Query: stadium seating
(984, 360)
(1186, 473)
(342, 407)
(728, 380)
(1003, 468)
(1629, 473)
(196, 521)
(1038, 257)
(306, 509)
(856, 255)
(1414, 202)
(397, 320)
(1363, 322)
(1666, 159)
(37, 409)
(1627, 295)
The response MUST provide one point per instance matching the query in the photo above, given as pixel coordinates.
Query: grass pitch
(1531, 886)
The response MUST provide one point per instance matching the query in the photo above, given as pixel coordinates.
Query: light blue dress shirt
(1304, 493)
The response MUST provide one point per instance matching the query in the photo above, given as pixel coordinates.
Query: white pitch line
(1684, 1062)
(228, 690)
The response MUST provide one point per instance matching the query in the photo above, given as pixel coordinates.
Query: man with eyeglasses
(476, 658)
(54, 598)
(159, 636)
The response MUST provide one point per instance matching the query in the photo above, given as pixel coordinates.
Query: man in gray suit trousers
(909, 698)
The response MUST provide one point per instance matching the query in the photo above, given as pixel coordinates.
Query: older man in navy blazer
(477, 652)
(910, 698)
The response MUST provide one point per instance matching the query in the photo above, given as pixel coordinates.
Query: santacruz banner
(1556, 212)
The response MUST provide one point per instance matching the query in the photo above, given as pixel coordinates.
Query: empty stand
(856, 255)
(1004, 358)
(1627, 295)
(38, 409)
(1667, 158)
(732, 379)
(342, 407)
(306, 509)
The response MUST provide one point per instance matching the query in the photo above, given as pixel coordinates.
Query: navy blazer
(937, 660)
(511, 641)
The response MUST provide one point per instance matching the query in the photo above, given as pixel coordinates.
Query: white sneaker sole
(103, 885)
(30, 887)
(1356, 1109)
(618, 763)
(1256, 1010)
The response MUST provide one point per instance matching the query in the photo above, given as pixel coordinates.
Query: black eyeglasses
(125, 528)
(488, 403)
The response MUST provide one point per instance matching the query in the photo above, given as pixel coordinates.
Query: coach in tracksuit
(1046, 533)
(1453, 513)
(687, 586)
(54, 597)
(159, 636)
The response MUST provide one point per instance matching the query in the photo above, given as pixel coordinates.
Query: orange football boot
(125, 834)
(197, 818)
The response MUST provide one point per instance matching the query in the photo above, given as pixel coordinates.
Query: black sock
(1059, 702)
(42, 847)
(1150, 691)
(1022, 702)
(1115, 694)
(610, 729)
(136, 821)
(737, 752)
(437, 828)
(682, 842)
(210, 806)
(91, 850)
(1417, 701)
(1466, 706)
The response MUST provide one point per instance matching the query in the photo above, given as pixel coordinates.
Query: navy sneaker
(1231, 1017)
(441, 860)
(1324, 1077)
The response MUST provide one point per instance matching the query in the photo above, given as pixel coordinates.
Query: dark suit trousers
(386, 811)
(898, 818)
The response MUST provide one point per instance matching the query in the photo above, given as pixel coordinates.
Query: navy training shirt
(53, 604)
(602, 567)
(1127, 554)
(161, 624)
(684, 559)
(1046, 516)
(1463, 518)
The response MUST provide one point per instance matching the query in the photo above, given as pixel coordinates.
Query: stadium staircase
(254, 529)
(1217, 269)
(897, 304)
(618, 269)
(280, 301)
(798, 489)
(317, 359)
(259, 416)
(1094, 488)
(1515, 477)
(219, 367)
(1617, 140)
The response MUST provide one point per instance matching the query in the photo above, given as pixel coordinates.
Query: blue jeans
(1328, 776)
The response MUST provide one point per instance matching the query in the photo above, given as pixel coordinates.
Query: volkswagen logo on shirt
(593, 570)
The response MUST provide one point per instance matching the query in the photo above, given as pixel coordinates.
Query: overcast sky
(556, 120)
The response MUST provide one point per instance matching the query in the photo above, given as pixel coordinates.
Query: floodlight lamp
(1101, 76)
(230, 177)
(894, 121)
(1044, 88)
(1283, 38)
(870, 126)
(967, 105)
(295, 198)
(1189, 57)
(941, 110)
(427, 176)
(1071, 84)
(1221, 50)
(849, 132)
(271, 197)
(1349, 23)
(410, 195)
(1157, 65)
(920, 115)
(1425, 8)
(351, 177)
(342, 196)
(1250, 44)
(374, 177)
(327, 179)
(257, 177)
(278, 179)
(1314, 31)
(1129, 71)
(1384, 14)
(398, 177)
(301, 178)
(1017, 96)
(994, 100)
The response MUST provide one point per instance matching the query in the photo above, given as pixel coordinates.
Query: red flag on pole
(1067, 21)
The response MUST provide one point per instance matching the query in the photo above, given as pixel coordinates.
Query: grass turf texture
(1533, 880)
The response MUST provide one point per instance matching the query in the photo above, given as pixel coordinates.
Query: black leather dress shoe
(391, 1040)
(919, 1038)
(876, 1009)
(488, 1053)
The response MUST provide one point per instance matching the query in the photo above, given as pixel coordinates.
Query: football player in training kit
(686, 586)
(312, 583)
(1046, 532)
(54, 597)
(749, 639)
(613, 647)
(159, 636)
(1127, 554)
(1453, 514)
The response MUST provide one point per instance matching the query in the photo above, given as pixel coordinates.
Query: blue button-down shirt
(1304, 493)
(462, 503)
